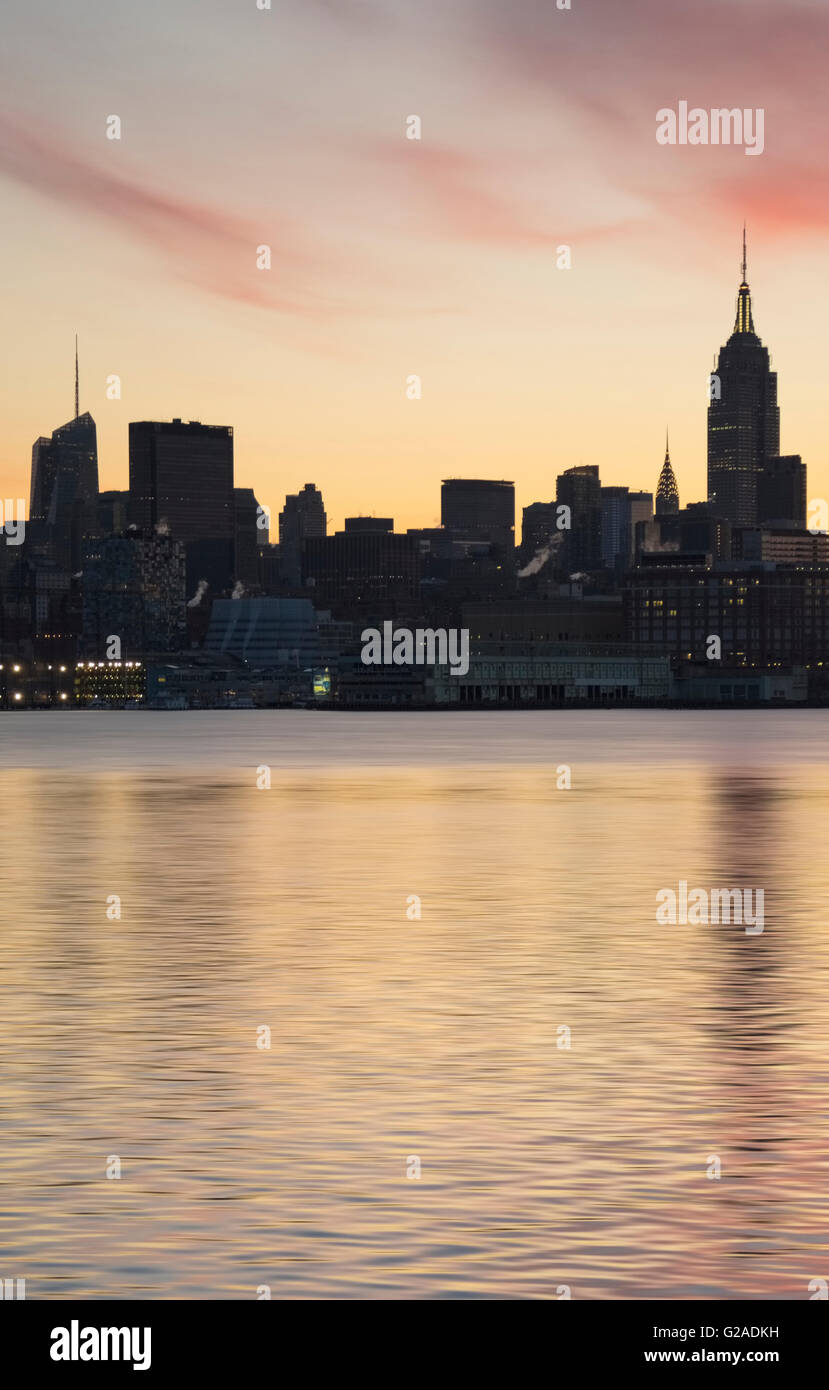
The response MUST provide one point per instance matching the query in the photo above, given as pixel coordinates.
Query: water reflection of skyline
(753, 1011)
(392, 1036)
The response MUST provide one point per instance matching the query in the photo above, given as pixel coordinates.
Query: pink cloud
(203, 245)
(787, 202)
(604, 70)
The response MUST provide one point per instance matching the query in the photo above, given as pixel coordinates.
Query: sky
(392, 257)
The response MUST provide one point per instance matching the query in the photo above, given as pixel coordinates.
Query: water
(394, 1038)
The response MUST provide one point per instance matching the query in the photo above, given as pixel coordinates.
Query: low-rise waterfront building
(552, 673)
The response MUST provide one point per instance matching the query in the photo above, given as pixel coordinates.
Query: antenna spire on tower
(77, 406)
(744, 322)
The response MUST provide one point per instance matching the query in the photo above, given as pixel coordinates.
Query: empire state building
(743, 418)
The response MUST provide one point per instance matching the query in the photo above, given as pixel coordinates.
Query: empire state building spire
(667, 492)
(743, 417)
(744, 323)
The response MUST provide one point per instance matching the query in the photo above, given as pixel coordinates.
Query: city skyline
(743, 331)
(393, 257)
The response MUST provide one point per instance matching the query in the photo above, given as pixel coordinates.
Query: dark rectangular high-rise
(781, 493)
(252, 535)
(112, 513)
(362, 568)
(580, 489)
(480, 509)
(181, 484)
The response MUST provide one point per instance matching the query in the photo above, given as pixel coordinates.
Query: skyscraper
(580, 490)
(251, 536)
(621, 511)
(480, 509)
(743, 417)
(302, 518)
(181, 484)
(616, 527)
(667, 492)
(782, 490)
(64, 488)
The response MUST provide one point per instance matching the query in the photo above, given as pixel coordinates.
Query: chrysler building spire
(667, 492)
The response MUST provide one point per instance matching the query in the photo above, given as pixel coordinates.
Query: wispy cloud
(784, 203)
(202, 244)
(459, 194)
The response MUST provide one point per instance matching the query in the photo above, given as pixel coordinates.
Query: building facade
(265, 632)
(365, 567)
(551, 673)
(782, 545)
(181, 484)
(133, 589)
(762, 615)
